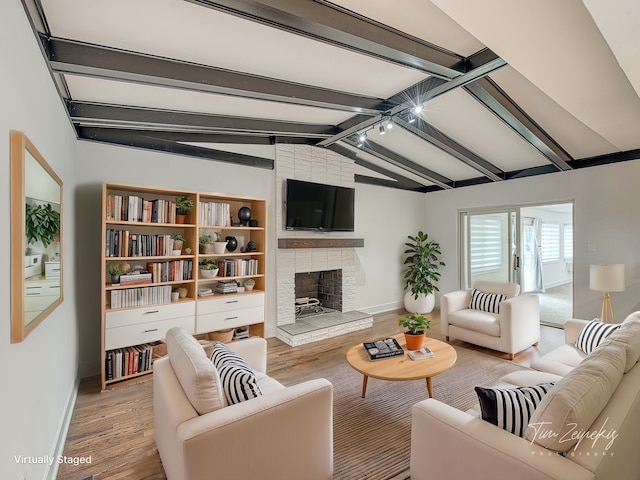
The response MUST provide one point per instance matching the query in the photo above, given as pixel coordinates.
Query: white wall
(37, 375)
(384, 218)
(605, 215)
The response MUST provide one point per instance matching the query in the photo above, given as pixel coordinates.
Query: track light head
(362, 137)
(412, 118)
(389, 124)
(418, 108)
(382, 131)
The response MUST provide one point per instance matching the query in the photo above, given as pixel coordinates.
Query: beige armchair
(514, 328)
(285, 433)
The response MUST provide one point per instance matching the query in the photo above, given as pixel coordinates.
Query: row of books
(122, 362)
(140, 296)
(133, 208)
(236, 267)
(122, 243)
(173, 271)
(215, 214)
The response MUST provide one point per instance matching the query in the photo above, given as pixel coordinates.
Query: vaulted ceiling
(508, 89)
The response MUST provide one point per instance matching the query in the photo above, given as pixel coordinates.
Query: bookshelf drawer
(143, 333)
(149, 314)
(225, 303)
(211, 322)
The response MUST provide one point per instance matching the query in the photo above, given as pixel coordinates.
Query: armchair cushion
(196, 374)
(476, 321)
(593, 334)
(239, 382)
(511, 408)
(487, 302)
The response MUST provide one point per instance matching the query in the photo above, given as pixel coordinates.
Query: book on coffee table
(384, 348)
(422, 354)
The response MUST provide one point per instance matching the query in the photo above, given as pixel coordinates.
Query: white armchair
(514, 328)
(278, 435)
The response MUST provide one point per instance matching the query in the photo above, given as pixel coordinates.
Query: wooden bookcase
(134, 316)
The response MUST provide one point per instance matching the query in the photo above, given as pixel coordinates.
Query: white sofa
(287, 433)
(450, 444)
(515, 328)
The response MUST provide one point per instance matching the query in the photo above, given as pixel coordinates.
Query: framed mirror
(36, 226)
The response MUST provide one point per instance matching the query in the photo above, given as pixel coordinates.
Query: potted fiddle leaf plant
(42, 223)
(183, 206)
(416, 327)
(421, 274)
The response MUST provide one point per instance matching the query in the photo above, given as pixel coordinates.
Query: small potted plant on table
(416, 330)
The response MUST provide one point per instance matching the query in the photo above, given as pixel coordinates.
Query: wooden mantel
(320, 242)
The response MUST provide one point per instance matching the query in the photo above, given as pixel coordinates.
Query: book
(384, 348)
(423, 354)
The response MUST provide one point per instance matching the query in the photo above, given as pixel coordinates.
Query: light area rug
(372, 435)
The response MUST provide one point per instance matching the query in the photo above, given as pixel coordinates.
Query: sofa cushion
(593, 334)
(487, 302)
(476, 321)
(239, 382)
(511, 408)
(577, 399)
(196, 374)
(560, 361)
(628, 335)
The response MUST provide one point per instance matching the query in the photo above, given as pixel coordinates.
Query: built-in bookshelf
(139, 228)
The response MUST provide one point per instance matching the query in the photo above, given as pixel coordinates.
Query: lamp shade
(607, 278)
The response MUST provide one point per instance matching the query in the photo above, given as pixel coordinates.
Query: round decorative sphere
(244, 214)
(253, 222)
(251, 246)
(232, 243)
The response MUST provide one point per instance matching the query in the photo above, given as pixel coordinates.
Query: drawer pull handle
(34, 288)
(33, 293)
(232, 301)
(152, 330)
(230, 318)
(151, 311)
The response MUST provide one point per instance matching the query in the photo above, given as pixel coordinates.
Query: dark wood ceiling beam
(420, 93)
(78, 58)
(332, 24)
(492, 97)
(427, 132)
(95, 114)
(148, 141)
(403, 163)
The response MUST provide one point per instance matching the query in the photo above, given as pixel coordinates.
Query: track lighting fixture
(412, 118)
(382, 132)
(418, 109)
(362, 137)
(390, 123)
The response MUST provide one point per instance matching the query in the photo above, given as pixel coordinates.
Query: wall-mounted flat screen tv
(315, 206)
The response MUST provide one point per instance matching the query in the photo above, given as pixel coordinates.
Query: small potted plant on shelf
(219, 243)
(183, 205)
(249, 283)
(206, 243)
(178, 241)
(416, 330)
(209, 268)
(117, 269)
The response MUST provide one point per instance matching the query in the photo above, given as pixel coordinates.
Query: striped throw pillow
(511, 408)
(593, 334)
(239, 382)
(487, 302)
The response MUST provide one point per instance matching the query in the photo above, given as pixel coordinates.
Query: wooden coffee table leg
(429, 387)
(364, 385)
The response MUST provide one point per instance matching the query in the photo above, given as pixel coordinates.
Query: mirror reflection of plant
(42, 223)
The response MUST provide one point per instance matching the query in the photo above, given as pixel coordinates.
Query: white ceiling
(568, 92)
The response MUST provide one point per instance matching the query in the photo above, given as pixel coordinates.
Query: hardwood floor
(115, 427)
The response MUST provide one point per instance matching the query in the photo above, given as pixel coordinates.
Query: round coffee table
(402, 367)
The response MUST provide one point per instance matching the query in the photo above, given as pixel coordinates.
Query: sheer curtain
(533, 280)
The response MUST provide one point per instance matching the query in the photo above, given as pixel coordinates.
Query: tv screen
(315, 206)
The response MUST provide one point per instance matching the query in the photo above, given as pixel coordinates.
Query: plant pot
(209, 273)
(219, 247)
(414, 340)
(175, 253)
(206, 248)
(115, 279)
(423, 304)
(181, 217)
(177, 244)
(224, 336)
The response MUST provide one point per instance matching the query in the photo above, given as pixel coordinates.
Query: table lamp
(606, 279)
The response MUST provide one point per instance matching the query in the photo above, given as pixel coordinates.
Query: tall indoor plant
(421, 274)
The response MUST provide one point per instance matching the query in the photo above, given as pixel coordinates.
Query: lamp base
(606, 315)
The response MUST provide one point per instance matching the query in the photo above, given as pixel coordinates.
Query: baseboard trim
(385, 307)
(63, 429)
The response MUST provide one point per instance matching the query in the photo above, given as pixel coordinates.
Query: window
(486, 234)
(567, 242)
(550, 242)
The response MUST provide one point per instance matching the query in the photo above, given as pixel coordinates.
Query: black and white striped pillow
(593, 334)
(239, 382)
(487, 302)
(511, 408)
